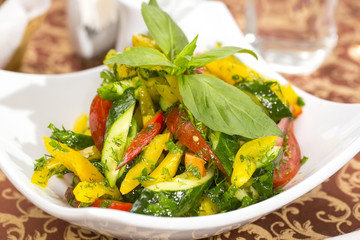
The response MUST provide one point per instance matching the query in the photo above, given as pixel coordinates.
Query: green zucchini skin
(274, 107)
(117, 129)
(172, 199)
(225, 148)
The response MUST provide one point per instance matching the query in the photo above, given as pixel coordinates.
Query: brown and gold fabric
(331, 209)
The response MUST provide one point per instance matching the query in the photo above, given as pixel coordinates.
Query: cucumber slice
(164, 105)
(134, 127)
(117, 129)
(225, 148)
(173, 198)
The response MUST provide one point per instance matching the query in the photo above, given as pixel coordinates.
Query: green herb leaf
(141, 57)
(166, 33)
(225, 108)
(107, 76)
(69, 138)
(57, 147)
(216, 54)
(173, 148)
(182, 60)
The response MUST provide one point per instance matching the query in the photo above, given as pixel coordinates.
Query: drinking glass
(293, 36)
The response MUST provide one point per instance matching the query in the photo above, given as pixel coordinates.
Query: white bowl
(328, 133)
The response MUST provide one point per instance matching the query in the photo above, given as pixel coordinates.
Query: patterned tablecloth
(331, 209)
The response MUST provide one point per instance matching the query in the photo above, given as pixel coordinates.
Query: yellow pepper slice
(173, 82)
(292, 99)
(230, 69)
(88, 192)
(81, 124)
(73, 160)
(289, 94)
(41, 176)
(141, 40)
(167, 168)
(123, 71)
(148, 161)
(207, 207)
(90, 153)
(167, 93)
(247, 158)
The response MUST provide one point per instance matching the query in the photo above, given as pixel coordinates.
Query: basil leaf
(225, 108)
(141, 57)
(186, 54)
(216, 54)
(153, 3)
(166, 33)
(182, 60)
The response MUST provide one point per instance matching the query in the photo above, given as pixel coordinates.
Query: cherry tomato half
(290, 163)
(188, 135)
(99, 111)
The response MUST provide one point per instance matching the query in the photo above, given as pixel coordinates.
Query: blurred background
(48, 49)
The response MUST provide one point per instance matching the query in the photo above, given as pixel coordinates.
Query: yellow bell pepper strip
(122, 71)
(99, 203)
(167, 93)
(43, 173)
(146, 105)
(81, 124)
(207, 207)
(90, 153)
(147, 163)
(230, 69)
(141, 40)
(173, 82)
(168, 167)
(73, 160)
(250, 155)
(88, 192)
(292, 99)
(150, 84)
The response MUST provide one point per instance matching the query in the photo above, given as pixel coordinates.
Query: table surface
(331, 209)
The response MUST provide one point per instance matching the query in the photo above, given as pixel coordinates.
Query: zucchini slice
(172, 198)
(117, 129)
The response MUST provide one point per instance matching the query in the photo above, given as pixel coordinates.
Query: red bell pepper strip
(149, 131)
(188, 135)
(112, 204)
(99, 203)
(99, 111)
(290, 162)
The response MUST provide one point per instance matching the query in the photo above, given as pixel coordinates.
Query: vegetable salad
(172, 133)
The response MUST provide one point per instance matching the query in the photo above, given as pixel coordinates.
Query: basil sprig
(224, 107)
(218, 105)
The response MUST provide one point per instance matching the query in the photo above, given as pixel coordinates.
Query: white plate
(328, 133)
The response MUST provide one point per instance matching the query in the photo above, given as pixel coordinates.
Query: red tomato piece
(112, 204)
(283, 126)
(188, 135)
(289, 165)
(149, 131)
(99, 111)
